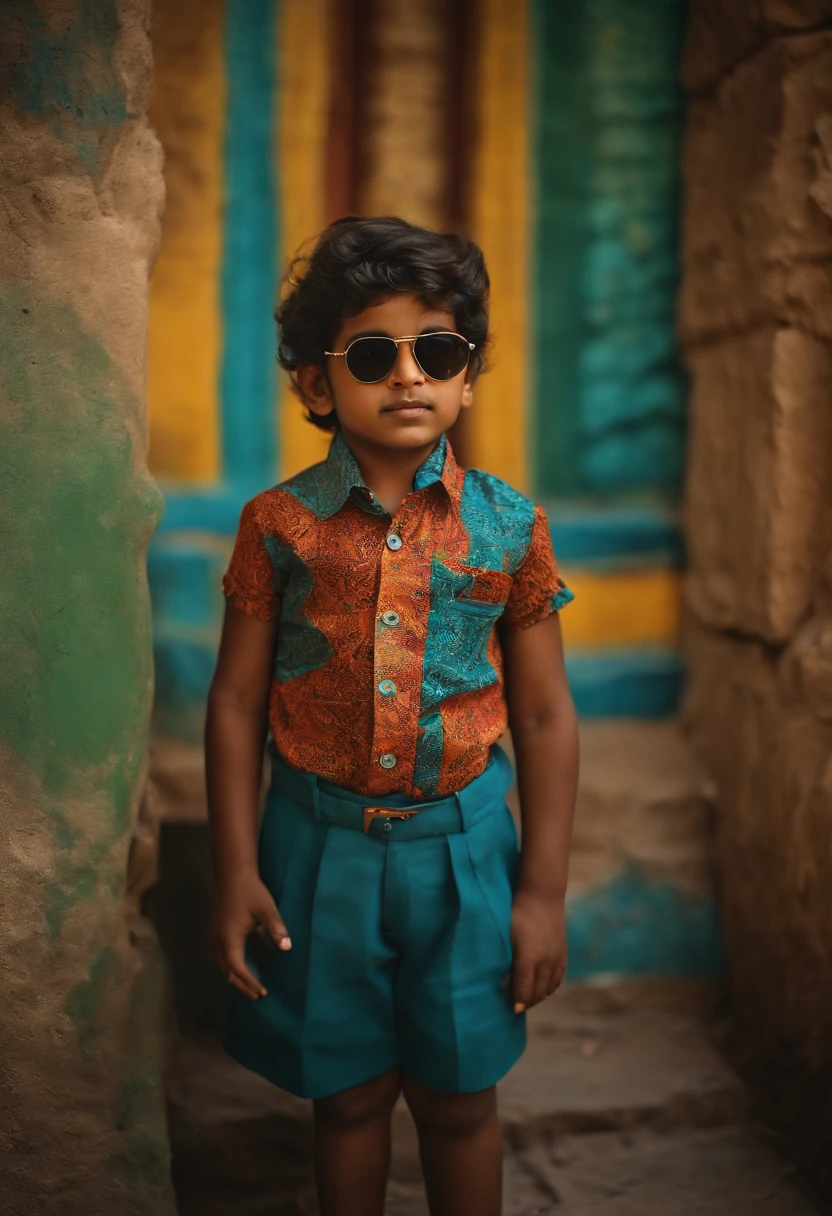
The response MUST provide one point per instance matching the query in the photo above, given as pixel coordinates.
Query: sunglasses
(440, 356)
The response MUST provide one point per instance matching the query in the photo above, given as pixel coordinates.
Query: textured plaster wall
(81, 1125)
(756, 321)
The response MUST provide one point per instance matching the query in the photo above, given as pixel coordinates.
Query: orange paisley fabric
(388, 670)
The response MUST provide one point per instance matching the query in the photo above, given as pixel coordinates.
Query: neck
(389, 472)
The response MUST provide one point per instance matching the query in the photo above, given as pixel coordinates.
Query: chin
(412, 436)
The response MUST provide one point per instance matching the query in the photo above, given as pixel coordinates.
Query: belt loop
(316, 799)
(462, 804)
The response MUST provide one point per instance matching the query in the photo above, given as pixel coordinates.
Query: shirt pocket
(466, 603)
(477, 591)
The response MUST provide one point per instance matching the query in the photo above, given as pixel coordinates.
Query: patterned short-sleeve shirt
(387, 670)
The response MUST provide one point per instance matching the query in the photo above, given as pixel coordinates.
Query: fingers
(272, 922)
(532, 983)
(239, 975)
(522, 984)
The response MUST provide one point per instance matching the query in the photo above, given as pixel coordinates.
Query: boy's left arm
(545, 736)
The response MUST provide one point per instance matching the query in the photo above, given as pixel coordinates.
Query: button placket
(395, 711)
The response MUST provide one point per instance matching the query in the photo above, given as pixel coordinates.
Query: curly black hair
(357, 262)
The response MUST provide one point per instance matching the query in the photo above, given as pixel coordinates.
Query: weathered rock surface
(757, 241)
(759, 478)
(764, 723)
(756, 320)
(722, 33)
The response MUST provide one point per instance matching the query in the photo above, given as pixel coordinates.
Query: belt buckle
(370, 812)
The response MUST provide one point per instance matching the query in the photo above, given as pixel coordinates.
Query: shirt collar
(341, 478)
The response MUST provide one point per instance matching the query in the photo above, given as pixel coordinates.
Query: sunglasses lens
(441, 356)
(371, 359)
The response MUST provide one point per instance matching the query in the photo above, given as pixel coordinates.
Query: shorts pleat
(399, 955)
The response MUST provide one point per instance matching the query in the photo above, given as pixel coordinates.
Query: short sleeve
(247, 583)
(537, 590)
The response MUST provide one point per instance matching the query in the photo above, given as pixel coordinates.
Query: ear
(467, 393)
(314, 387)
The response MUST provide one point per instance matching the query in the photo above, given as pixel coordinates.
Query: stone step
(614, 1061)
(610, 1057)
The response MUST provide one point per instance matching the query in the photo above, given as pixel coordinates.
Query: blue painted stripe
(632, 925)
(638, 683)
(249, 276)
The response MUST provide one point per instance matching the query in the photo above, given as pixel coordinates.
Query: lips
(406, 407)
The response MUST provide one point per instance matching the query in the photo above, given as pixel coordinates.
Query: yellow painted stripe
(499, 222)
(304, 50)
(616, 610)
(187, 110)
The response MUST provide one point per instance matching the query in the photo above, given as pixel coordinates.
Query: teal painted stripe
(249, 274)
(185, 580)
(609, 393)
(184, 665)
(632, 925)
(614, 538)
(184, 669)
(637, 683)
(560, 141)
(215, 509)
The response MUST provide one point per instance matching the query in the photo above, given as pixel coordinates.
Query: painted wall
(608, 394)
(570, 184)
(572, 192)
(756, 316)
(81, 1112)
(574, 199)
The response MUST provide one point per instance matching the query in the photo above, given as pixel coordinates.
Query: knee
(362, 1104)
(437, 1112)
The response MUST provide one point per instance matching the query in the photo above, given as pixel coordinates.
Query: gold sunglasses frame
(411, 338)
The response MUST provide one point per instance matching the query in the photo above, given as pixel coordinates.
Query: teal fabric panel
(301, 646)
(429, 750)
(456, 659)
(498, 520)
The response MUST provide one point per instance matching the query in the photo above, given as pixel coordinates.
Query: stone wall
(756, 323)
(81, 1122)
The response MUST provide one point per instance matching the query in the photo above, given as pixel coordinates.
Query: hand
(244, 903)
(538, 940)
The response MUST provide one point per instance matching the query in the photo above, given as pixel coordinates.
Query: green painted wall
(81, 1106)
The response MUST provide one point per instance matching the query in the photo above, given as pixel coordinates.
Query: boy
(374, 603)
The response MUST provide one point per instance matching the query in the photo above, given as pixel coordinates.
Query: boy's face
(405, 410)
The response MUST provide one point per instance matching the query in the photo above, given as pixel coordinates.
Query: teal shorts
(400, 939)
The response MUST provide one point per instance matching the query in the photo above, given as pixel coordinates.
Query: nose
(406, 371)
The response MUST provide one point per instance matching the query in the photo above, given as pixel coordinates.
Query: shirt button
(394, 541)
(390, 618)
(388, 760)
(387, 688)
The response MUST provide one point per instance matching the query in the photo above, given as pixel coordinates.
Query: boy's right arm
(235, 734)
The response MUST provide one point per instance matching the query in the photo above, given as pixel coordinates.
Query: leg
(461, 1149)
(352, 1147)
